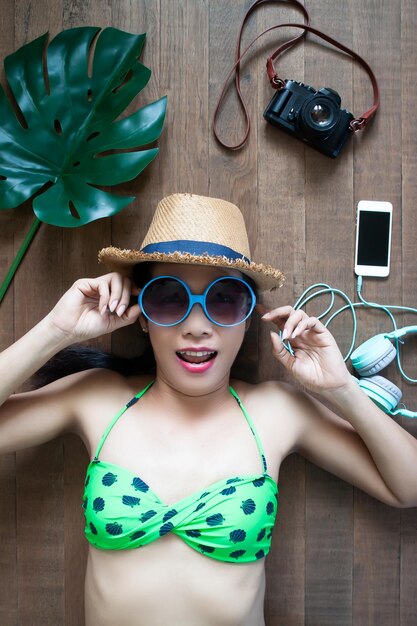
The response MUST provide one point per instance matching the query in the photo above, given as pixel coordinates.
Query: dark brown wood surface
(338, 557)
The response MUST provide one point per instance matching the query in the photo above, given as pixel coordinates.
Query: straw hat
(187, 228)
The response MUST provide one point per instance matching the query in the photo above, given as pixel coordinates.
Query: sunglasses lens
(165, 301)
(229, 301)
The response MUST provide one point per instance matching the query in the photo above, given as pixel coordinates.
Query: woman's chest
(177, 458)
(176, 464)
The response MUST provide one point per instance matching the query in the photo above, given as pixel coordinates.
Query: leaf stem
(19, 256)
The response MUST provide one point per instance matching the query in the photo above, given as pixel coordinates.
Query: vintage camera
(314, 117)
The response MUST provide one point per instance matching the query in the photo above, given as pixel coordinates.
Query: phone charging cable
(322, 289)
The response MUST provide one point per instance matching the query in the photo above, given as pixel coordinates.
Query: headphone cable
(324, 289)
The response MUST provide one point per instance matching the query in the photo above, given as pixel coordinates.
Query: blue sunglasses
(167, 301)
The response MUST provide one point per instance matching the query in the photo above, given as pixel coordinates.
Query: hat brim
(265, 277)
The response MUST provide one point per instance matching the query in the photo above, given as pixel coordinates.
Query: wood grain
(8, 540)
(281, 234)
(338, 557)
(377, 528)
(408, 539)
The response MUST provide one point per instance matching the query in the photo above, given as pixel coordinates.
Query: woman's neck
(186, 402)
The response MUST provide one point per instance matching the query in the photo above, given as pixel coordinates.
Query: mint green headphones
(373, 355)
(369, 359)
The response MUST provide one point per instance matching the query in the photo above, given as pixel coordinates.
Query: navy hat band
(197, 248)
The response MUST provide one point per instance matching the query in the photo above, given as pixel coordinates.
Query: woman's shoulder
(266, 391)
(95, 395)
(275, 401)
(90, 386)
(107, 382)
(276, 409)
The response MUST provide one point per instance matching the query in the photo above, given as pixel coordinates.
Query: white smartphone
(373, 238)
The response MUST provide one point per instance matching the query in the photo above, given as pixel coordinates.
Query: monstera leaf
(63, 138)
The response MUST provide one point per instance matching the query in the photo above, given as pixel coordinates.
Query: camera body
(314, 117)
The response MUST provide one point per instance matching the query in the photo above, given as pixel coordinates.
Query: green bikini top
(230, 520)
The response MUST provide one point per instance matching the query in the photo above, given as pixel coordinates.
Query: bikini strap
(252, 427)
(117, 416)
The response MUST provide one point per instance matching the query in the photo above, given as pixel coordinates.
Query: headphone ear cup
(373, 355)
(382, 391)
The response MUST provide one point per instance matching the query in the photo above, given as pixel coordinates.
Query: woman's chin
(195, 379)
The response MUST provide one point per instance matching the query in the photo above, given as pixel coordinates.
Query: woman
(180, 494)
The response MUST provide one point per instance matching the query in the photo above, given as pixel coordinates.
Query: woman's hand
(95, 306)
(317, 362)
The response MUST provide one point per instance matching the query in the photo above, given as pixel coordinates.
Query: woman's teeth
(196, 356)
(192, 353)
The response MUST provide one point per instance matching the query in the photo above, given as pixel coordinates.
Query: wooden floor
(339, 557)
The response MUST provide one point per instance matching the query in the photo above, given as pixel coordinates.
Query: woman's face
(178, 349)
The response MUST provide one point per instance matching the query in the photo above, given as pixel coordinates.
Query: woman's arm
(371, 450)
(90, 308)
(28, 354)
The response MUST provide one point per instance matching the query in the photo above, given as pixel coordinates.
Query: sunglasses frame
(198, 299)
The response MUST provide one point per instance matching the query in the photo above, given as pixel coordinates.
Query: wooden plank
(408, 555)
(75, 544)
(376, 32)
(231, 174)
(80, 248)
(331, 562)
(285, 565)
(8, 574)
(281, 242)
(376, 563)
(329, 259)
(39, 494)
(40, 505)
(408, 582)
(40, 522)
(183, 77)
(129, 226)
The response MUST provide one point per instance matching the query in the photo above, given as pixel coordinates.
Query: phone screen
(373, 238)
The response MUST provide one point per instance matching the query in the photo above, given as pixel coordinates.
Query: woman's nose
(197, 322)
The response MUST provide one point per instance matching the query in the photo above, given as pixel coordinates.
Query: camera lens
(319, 115)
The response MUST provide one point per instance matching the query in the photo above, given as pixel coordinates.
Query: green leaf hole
(93, 135)
(73, 210)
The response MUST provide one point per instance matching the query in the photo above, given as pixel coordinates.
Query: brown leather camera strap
(279, 83)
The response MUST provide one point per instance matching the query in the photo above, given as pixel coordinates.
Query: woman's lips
(196, 361)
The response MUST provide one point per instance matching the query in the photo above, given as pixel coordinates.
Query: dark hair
(78, 358)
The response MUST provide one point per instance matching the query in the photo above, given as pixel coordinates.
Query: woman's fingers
(280, 352)
(120, 292)
(293, 322)
(131, 314)
(309, 323)
(104, 294)
(286, 318)
(114, 292)
(122, 302)
(282, 312)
